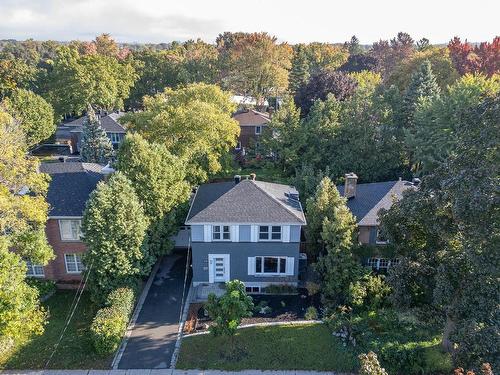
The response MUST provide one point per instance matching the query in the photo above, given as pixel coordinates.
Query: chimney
(237, 179)
(270, 110)
(350, 185)
(62, 159)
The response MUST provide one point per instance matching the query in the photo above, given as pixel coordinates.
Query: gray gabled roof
(246, 202)
(70, 186)
(372, 197)
(109, 123)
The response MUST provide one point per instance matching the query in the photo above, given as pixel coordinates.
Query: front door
(218, 268)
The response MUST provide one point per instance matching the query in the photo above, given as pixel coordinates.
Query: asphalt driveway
(153, 338)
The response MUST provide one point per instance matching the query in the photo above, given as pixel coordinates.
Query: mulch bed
(281, 308)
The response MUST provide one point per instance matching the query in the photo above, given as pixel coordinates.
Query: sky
(155, 21)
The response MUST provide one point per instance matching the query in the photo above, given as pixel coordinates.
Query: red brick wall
(56, 269)
(246, 134)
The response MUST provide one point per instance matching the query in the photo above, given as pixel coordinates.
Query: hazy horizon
(156, 21)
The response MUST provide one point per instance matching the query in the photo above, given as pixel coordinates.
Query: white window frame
(263, 273)
(73, 259)
(383, 264)
(380, 242)
(34, 270)
(238, 145)
(77, 229)
(220, 230)
(258, 129)
(114, 137)
(270, 233)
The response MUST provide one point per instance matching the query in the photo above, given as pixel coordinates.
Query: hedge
(110, 323)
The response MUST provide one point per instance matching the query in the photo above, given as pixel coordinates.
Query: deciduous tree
(33, 113)
(193, 123)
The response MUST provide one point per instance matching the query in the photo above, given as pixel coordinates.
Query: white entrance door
(218, 268)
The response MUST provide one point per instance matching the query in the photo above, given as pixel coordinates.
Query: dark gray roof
(109, 123)
(70, 186)
(370, 198)
(246, 202)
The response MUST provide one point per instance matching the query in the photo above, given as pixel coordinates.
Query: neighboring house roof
(370, 198)
(70, 186)
(246, 202)
(251, 117)
(109, 123)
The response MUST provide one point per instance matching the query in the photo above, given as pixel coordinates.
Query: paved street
(153, 338)
(164, 372)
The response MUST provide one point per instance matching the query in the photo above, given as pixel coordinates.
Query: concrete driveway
(152, 341)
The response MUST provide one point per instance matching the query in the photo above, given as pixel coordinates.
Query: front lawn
(304, 347)
(75, 350)
(403, 344)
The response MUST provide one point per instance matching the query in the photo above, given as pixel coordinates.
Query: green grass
(305, 347)
(403, 345)
(75, 350)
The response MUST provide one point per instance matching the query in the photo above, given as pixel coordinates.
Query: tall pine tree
(423, 86)
(299, 75)
(96, 146)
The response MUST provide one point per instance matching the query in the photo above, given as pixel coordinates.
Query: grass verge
(304, 347)
(75, 350)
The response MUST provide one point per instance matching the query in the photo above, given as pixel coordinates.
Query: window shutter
(235, 233)
(286, 233)
(251, 266)
(290, 266)
(254, 233)
(208, 233)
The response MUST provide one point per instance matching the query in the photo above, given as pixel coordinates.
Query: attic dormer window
(221, 233)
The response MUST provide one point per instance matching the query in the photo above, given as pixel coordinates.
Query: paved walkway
(152, 341)
(164, 372)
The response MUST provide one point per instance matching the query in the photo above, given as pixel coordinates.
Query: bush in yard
(370, 365)
(228, 310)
(44, 287)
(311, 313)
(110, 322)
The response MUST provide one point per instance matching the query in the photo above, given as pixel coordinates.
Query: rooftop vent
(237, 179)
(292, 195)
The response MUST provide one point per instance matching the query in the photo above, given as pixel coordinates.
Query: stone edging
(264, 324)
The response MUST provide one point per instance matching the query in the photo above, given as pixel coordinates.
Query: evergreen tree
(353, 46)
(114, 225)
(339, 270)
(96, 146)
(423, 86)
(323, 205)
(299, 75)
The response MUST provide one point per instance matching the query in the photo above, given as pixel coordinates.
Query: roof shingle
(246, 202)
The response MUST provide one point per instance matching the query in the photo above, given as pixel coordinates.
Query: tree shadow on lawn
(75, 350)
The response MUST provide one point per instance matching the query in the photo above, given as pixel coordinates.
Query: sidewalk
(162, 372)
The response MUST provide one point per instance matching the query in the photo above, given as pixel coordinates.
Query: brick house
(252, 124)
(69, 189)
(365, 201)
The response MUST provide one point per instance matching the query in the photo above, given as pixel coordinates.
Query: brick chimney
(350, 185)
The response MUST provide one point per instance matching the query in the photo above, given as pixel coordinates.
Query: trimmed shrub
(44, 287)
(311, 313)
(280, 289)
(110, 323)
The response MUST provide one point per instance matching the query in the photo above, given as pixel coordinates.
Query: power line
(70, 316)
